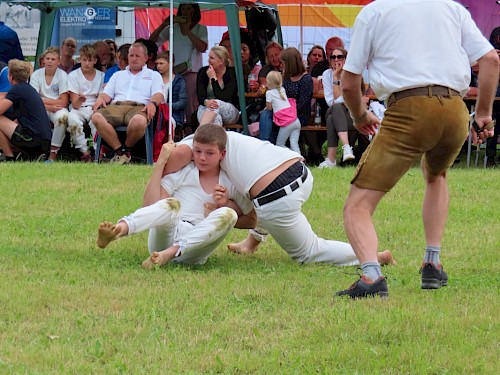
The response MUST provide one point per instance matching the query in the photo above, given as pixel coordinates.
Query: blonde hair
(52, 49)
(222, 53)
(274, 80)
(20, 71)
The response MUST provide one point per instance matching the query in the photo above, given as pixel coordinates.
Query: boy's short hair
(19, 70)
(165, 55)
(88, 51)
(52, 49)
(211, 134)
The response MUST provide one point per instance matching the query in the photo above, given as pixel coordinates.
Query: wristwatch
(337, 82)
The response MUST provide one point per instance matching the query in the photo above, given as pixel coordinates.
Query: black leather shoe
(433, 277)
(364, 287)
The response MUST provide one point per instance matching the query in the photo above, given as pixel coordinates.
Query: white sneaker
(121, 159)
(348, 155)
(327, 164)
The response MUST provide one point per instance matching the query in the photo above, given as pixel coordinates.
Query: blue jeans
(266, 126)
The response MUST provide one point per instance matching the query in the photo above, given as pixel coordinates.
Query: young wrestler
(84, 84)
(23, 119)
(178, 207)
(51, 83)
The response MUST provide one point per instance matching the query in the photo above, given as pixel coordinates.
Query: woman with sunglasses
(338, 122)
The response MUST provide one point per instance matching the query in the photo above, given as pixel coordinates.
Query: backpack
(162, 133)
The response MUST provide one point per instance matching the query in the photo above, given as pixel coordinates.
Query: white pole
(171, 66)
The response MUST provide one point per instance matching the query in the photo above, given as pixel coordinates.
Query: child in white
(52, 85)
(83, 88)
(284, 112)
(197, 207)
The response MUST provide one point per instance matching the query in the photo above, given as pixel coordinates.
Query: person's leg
(332, 140)
(206, 116)
(136, 128)
(7, 128)
(76, 119)
(294, 136)
(265, 124)
(341, 118)
(165, 212)
(106, 131)
(251, 243)
(196, 245)
(192, 103)
(60, 121)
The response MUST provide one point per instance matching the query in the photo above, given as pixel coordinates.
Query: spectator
(134, 94)
(323, 65)
(190, 42)
(261, 23)
(113, 48)
(338, 121)
(217, 90)
(284, 112)
(298, 84)
(152, 52)
(68, 48)
(4, 79)
(226, 43)
(83, 88)
(10, 48)
(316, 54)
(103, 55)
(52, 85)
(122, 62)
(273, 62)
(179, 95)
(24, 123)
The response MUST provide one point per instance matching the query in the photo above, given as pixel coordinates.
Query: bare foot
(385, 258)
(148, 264)
(161, 258)
(107, 232)
(248, 246)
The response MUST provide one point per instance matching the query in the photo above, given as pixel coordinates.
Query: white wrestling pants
(196, 242)
(284, 220)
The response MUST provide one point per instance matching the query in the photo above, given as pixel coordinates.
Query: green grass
(67, 307)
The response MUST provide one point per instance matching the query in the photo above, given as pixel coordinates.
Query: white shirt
(185, 186)
(415, 43)
(58, 86)
(273, 97)
(328, 88)
(140, 87)
(248, 159)
(183, 47)
(78, 84)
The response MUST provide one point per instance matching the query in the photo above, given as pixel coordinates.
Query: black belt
(280, 193)
(433, 90)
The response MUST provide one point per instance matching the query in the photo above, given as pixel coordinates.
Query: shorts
(418, 127)
(120, 113)
(23, 139)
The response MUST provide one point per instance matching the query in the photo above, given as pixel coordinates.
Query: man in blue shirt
(10, 48)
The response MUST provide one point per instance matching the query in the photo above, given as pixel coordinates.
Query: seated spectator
(103, 55)
(24, 123)
(226, 43)
(152, 52)
(122, 62)
(323, 65)
(315, 55)
(83, 88)
(4, 79)
(113, 48)
(338, 121)
(52, 85)
(133, 95)
(68, 48)
(179, 95)
(217, 90)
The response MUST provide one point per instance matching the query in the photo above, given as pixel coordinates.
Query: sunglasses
(337, 57)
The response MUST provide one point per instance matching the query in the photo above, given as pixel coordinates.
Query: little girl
(284, 111)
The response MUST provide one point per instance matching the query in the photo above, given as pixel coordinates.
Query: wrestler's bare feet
(148, 264)
(163, 257)
(385, 258)
(248, 246)
(108, 232)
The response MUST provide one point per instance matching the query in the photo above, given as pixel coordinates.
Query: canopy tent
(230, 7)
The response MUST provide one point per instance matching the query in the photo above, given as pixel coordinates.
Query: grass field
(67, 307)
